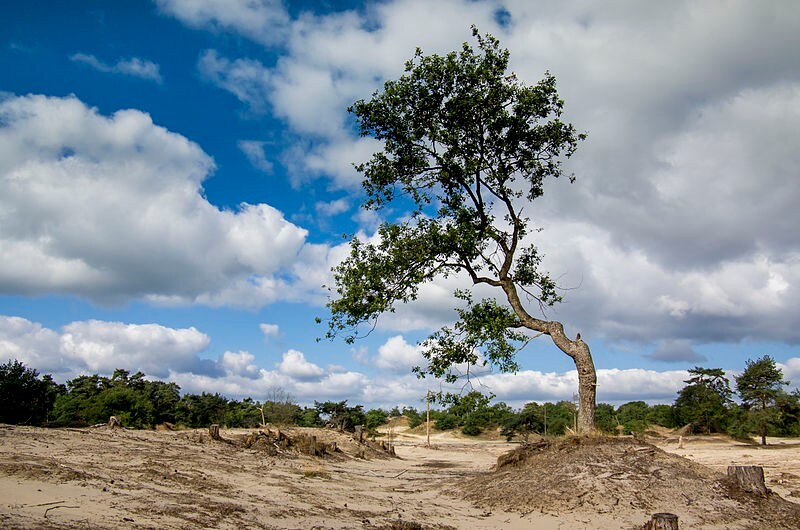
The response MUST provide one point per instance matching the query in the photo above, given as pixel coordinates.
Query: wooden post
(428, 418)
(749, 478)
(545, 418)
(662, 521)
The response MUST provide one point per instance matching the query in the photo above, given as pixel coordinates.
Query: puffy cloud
(791, 371)
(263, 21)
(334, 386)
(134, 66)
(397, 355)
(655, 233)
(154, 349)
(246, 79)
(31, 343)
(613, 385)
(295, 365)
(335, 207)
(269, 330)
(99, 346)
(240, 364)
(173, 354)
(111, 208)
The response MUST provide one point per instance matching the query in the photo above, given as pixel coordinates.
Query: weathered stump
(213, 432)
(662, 521)
(359, 436)
(749, 478)
(114, 422)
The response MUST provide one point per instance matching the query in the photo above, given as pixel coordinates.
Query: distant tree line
(704, 405)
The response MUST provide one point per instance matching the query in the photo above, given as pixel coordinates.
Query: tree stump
(662, 521)
(114, 422)
(749, 478)
(360, 433)
(213, 432)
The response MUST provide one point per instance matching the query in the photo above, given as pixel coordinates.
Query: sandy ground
(780, 458)
(102, 478)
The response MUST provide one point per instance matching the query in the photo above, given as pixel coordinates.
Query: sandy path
(100, 478)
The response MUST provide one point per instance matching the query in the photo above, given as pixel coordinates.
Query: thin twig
(54, 507)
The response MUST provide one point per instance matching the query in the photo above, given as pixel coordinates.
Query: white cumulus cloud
(263, 21)
(269, 330)
(295, 365)
(111, 208)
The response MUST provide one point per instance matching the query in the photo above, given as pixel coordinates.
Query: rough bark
(662, 521)
(213, 432)
(749, 478)
(576, 349)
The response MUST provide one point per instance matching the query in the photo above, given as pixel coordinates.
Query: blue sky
(176, 177)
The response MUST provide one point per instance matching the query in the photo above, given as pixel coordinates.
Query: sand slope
(102, 478)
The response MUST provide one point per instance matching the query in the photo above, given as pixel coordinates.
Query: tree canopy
(703, 402)
(761, 388)
(466, 150)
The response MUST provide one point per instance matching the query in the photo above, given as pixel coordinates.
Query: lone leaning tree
(466, 148)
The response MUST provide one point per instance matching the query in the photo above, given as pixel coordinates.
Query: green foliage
(447, 421)
(605, 418)
(279, 408)
(202, 410)
(470, 411)
(633, 416)
(486, 325)
(465, 144)
(374, 418)
(244, 413)
(414, 418)
(340, 415)
(560, 417)
(760, 388)
(662, 415)
(789, 413)
(704, 403)
(25, 398)
(309, 417)
(527, 421)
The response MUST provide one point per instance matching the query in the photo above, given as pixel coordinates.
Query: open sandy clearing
(100, 478)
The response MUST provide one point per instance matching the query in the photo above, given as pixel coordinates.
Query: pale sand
(100, 478)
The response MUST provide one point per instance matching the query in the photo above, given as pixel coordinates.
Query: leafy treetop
(468, 146)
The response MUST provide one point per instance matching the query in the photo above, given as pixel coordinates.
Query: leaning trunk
(576, 349)
(587, 389)
(587, 376)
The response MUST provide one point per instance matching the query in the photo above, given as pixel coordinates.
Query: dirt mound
(606, 475)
(323, 443)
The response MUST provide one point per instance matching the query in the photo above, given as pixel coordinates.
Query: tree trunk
(587, 376)
(576, 349)
(587, 389)
(662, 521)
(213, 432)
(749, 478)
